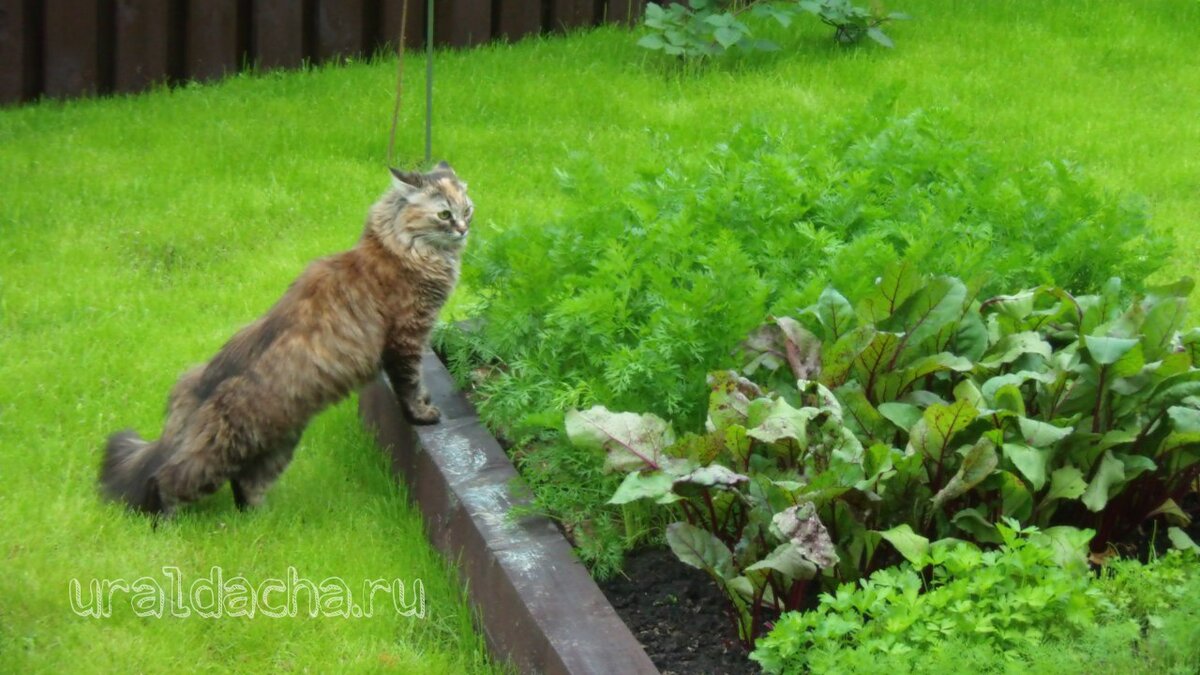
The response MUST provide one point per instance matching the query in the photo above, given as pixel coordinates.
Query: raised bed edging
(539, 607)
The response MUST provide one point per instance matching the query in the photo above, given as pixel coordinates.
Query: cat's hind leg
(258, 474)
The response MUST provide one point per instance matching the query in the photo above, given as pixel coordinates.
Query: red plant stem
(1099, 401)
(712, 512)
(796, 593)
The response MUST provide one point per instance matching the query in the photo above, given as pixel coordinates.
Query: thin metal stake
(429, 83)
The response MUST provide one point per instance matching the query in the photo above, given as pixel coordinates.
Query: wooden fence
(65, 48)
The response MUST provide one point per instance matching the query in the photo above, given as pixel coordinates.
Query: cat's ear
(444, 166)
(405, 183)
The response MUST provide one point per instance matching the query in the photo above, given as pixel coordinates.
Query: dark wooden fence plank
(462, 23)
(516, 19)
(72, 47)
(278, 33)
(141, 50)
(628, 12)
(213, 48)
(80, 47)
(567, 14)
(339, 29)
(15, 42)
(389, 23)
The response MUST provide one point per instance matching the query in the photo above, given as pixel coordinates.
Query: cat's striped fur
(239, 417)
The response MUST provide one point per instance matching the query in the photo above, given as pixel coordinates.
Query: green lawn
(139, 233)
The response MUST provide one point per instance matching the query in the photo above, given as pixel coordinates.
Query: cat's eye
(444, 215)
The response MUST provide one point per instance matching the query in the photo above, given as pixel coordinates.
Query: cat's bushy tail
(127, 474)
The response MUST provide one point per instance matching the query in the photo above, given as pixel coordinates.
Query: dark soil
(678, 615)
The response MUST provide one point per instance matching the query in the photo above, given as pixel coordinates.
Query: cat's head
(429, 211)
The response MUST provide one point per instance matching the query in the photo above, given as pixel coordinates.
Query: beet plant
(920, 414)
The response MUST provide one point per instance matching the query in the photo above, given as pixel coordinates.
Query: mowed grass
(137, 234)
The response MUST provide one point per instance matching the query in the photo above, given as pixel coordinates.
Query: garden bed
(538, 606)
(678, 615)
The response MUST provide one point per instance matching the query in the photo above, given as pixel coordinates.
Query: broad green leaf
(1107, 350)
(729, 400)
(933, 434)
(897, 382)
(835, 314)
(782, 341)
(970, 336)
(1100, 309)
(713, 475)
(1130, 363)
(900, 280)
(1012, 347)
(1172, 390)
(1181, 540)
(902, 415)
(1069, 545)
(991, 385)
(727, 36)
(911, 545)
(937, 303)
(629, 441)
(1171, 511)
(977, 465)
(837, 358)
(638, 485)
(788, 560)
(1135, 465)
(879, 36)
(1041, 434)
(1016, 502)
(1109, 476)
(1184, 419)
(1016, 306)
(800, 526)
(651, 41)
(1162, 322)
(1009, 397)
(876, 359)
(700, 549)
(973, 522)
(1031, 462)
(1066, 483)
(967, 391)
(862, 417)
(784, 421)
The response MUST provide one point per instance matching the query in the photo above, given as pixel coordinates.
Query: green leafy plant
(632, 297)
(1014, 597)
(703, 28)
(921, 414)
(746, 522)
(1040, 406)
(851, 22)
(1003, 610)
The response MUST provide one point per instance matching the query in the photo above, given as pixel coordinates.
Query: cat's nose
(460, 228)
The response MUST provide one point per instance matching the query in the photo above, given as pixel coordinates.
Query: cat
(239, 417)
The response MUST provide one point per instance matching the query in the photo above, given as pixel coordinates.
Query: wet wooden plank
(389, 23)
(71, 41)
(568, 14)
(141, 50)
(628, 12)
(278, 29)
(339, 31)
(516, 19)
(212, 43)
(17, 42)
(462, 23)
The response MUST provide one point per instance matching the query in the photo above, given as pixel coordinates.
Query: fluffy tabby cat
(238, 417)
